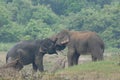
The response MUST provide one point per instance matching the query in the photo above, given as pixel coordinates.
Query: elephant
(30, 51)
(78, 43)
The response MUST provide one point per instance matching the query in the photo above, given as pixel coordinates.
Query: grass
(109, 69)
(102, 70)
(101, 66)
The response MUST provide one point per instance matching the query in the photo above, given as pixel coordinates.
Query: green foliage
(37, 29)
(37, 19)
(46, 14)
(10, 33)
(4, 15)
(5, 46)
(22, 11)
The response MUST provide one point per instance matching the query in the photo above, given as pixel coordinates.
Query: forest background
(38, 19)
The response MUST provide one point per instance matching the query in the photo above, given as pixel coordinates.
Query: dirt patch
(2, 58)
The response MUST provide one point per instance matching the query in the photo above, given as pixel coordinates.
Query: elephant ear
(65, 36)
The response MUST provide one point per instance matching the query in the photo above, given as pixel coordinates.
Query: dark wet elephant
(26, 52)
(79, 42)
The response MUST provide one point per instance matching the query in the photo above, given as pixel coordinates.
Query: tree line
(37, 19)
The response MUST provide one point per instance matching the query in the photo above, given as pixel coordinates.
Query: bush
(5, 46)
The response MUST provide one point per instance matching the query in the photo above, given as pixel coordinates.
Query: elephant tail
(9, 59)
(6, 58)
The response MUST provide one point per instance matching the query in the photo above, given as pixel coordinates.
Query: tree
(46, 14)
(4, 15)
(37, 29)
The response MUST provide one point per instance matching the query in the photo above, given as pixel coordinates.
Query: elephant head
(48, 46)
(61, 39)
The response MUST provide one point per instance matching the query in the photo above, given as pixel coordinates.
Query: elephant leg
(94, 55)
(97, 53)
(70, 62)
(76, 59)
(100, 54)
(39, 62)
(94, 58)
(34, 66)
(70, 57)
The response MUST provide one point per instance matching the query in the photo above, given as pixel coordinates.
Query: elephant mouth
(60, 47)
(53, 52)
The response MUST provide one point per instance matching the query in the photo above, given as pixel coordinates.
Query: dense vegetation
(36, 19)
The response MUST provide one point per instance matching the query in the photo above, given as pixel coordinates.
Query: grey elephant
(79, 42)
(26, 52)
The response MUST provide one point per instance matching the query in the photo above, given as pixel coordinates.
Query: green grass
(102, 66)
(103, 70)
